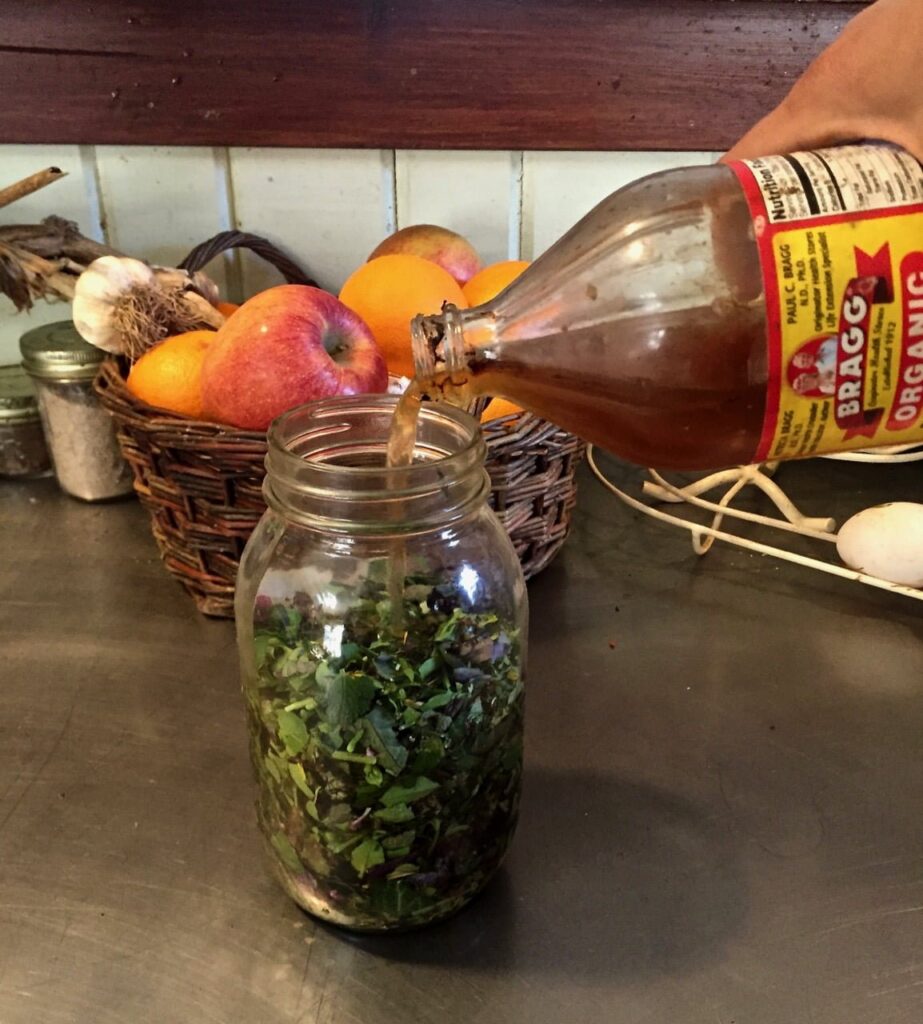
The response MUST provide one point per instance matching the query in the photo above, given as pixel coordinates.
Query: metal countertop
(722, 821)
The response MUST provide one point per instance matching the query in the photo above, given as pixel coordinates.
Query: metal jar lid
(17, 396)
(56, 351)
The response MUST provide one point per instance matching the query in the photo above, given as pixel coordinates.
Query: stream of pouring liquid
(402, 441)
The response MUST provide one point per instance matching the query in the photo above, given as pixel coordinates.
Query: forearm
(864, 86)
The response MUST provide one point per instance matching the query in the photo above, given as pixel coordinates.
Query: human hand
(863, 86)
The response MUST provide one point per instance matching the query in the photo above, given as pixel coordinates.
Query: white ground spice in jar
(79, 431)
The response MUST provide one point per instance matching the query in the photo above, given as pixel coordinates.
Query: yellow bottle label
(840, 234)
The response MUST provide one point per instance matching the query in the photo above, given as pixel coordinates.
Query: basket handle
(206, 251)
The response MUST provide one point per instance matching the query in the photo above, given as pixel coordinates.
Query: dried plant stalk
(40, 260)
(30, 184)
(55, 236)
(43, 261)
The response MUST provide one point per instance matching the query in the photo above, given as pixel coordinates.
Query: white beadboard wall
(328, 208)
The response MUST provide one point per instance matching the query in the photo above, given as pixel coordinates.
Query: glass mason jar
(381, 617)
(81, 434)
(22, 441)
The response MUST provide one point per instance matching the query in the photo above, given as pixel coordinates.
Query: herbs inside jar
(389, 766)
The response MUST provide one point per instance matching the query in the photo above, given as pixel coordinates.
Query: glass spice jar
(79, 431)
(381, 617)
(23, 452)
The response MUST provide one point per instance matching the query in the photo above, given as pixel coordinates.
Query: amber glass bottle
(715, 315)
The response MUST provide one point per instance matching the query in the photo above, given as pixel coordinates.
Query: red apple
(286, 346)
(438, 245)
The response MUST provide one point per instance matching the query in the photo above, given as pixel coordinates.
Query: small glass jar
(79, 431)
(22, 441)
(381, 617)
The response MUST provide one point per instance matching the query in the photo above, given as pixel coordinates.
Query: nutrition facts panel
(827, 182)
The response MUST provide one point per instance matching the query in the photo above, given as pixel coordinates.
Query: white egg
(885, 541)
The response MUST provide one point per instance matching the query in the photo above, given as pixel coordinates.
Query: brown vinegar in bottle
(648, 328)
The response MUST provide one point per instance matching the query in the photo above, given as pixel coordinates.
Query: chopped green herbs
(389, 767)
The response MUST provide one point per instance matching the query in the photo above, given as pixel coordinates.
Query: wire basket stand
(657, 489)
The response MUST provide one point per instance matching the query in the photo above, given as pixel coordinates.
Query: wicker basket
(202, 482)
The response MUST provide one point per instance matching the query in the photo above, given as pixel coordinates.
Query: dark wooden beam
(530, 74)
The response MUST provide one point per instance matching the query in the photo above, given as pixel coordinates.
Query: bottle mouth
(426, 333)
(326, 466)
(438, 343)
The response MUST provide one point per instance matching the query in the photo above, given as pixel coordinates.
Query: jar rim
(325, 465)
(331, 407)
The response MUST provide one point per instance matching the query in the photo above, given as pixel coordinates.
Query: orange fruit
(489, 282)
(389, 291)
(499, 407)
(227, 308)
(169, 376)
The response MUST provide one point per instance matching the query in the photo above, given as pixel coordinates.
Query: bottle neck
(326, 468)
(449, 344)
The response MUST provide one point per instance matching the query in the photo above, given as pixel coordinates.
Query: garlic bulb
(124, 306)
(99, 288)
